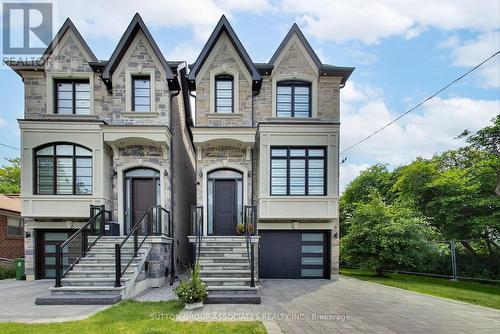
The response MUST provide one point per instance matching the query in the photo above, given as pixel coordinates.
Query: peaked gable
(324, 69)
(136, 25)
(224, 26)
(68, 26)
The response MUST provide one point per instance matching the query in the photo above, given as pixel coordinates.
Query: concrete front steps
(225, 269)
(92, 279)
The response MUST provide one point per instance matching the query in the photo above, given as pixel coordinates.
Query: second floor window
(223, 94)
(141, 94)
(298, 171)
(72, 97)
(293, 99)
(63, 169)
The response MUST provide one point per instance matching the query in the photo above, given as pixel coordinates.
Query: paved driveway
(17, 303)
(352, 306)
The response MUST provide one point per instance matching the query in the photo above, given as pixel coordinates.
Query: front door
(225, 207)
(143, 197)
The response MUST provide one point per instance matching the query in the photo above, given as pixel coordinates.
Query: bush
(383, 237)
(7, 273)
(194, 290)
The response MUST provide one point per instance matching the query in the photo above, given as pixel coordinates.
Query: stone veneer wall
(218, 155)
(335, 250)
(158, 260)
(224, 58)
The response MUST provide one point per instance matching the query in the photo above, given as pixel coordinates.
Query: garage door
(46, 251)
(293, 254)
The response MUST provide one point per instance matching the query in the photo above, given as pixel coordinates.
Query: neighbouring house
(110, 139)
(125, 181)
(11, 228)
(267, 146)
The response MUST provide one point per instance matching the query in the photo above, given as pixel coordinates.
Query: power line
(12, 147)
(419, 104)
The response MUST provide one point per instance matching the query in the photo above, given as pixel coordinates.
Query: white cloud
(187, 51)
(431, 129)
(371, 21)
(2, 122)
(471, 52)
(109, 19)
(348, 172)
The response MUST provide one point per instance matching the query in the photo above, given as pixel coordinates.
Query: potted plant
(192, 292)
(250, 228)
(240, 229)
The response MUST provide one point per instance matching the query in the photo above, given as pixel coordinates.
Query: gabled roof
(224, 26)
(136, 25)
(324, 69)
(68, 24)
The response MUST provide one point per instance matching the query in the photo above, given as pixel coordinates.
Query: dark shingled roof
(68, 24)
(324, 69)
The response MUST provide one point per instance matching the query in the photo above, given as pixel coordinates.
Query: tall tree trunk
(497, 189)
(468, 247)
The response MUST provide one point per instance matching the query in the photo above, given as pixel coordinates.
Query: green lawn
(135, 317)
(465, 291)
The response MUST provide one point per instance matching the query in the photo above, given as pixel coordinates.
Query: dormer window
(141, 94)
(293, 99)
(224, 94)
(72, 97)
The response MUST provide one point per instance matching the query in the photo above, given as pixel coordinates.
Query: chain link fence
(472, 259)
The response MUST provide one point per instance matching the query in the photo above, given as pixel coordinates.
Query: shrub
(7, 273)
(193, 290)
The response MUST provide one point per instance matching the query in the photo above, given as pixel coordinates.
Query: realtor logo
(27, 28)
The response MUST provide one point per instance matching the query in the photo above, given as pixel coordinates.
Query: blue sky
(403, 51)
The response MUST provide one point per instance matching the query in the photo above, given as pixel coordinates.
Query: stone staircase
(225, 269)
(92, 279)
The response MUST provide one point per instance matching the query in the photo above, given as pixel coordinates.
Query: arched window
(63, 169)
(293, 99)
(224, 94)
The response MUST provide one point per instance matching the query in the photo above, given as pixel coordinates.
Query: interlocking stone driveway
(353, 306)
(17, 303)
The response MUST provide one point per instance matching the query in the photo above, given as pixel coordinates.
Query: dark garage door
(293, 254)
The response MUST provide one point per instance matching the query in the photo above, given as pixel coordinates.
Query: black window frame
(141, 77)
(306, 158)
(73, 106)
(292, 84)
(54, 157)
(224, 77)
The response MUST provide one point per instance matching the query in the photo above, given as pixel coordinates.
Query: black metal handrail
(97, 217)
(197, 229)
(249, 223)
(151, 222)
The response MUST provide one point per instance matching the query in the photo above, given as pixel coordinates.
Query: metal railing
(250, 227)
(197, 229)
(151, 223)
(77, 245)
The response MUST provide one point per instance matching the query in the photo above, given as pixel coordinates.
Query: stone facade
(224, 60)
(110, 108)
(220, 156)
(158, 262)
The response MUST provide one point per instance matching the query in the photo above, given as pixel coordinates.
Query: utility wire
(12, 147)
(418, 105)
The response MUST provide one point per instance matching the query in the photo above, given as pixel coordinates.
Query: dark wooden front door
(225, 207)
(143, 197)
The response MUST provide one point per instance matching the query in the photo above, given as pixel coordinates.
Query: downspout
(171, 157)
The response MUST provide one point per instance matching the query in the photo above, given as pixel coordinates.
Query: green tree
(383, 237)
(375, 178)
(10, 177)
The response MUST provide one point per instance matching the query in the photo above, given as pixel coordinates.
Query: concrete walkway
(352, 306)
(17, 304)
